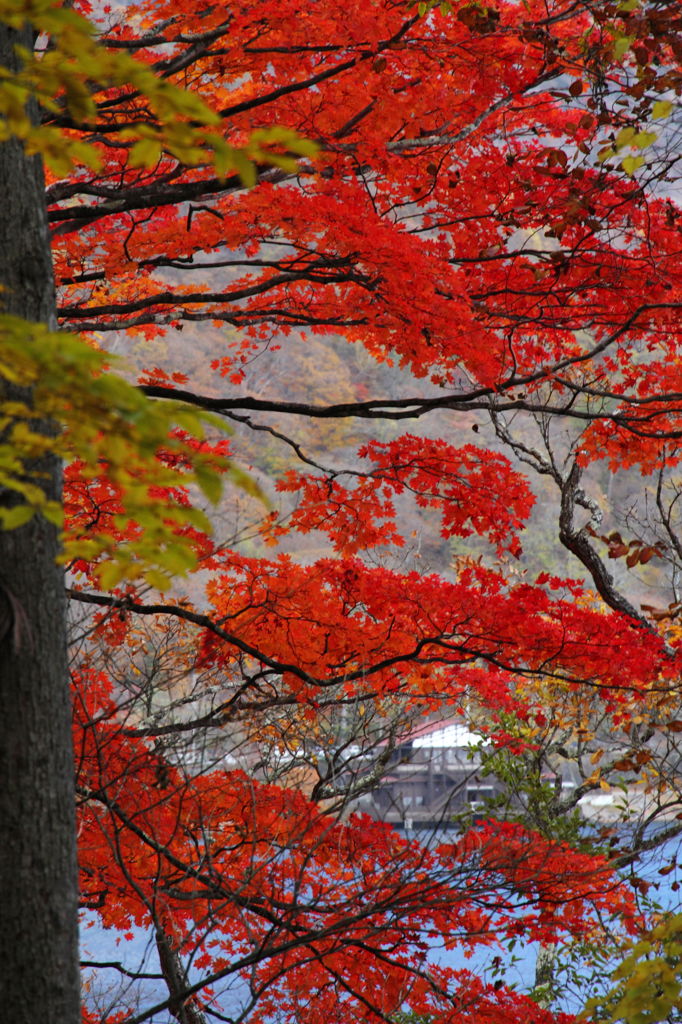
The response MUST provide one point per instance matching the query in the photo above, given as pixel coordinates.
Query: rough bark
(38, 877)
(544, 991)
(185, 1011)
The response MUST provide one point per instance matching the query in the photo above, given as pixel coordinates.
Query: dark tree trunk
(38, 878)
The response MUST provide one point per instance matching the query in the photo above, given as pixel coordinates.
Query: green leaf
(605, 154)
(209, 482)
(11, 518)
(625, 137)
(622, 46)
(111, 574)
(244, 168)
(643, 140)
(158, 580)
(145, 153)
(631, 163)
(661, 109)
(54, 513)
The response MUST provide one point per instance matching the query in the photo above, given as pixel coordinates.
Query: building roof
(443, 735)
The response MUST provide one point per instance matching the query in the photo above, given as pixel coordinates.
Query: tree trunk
(39, 975)
(544, 990)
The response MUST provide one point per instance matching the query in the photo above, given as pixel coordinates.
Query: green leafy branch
(649, 979)
(149, 452)
(77, 65)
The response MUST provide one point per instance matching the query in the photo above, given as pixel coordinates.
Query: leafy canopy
(459, 255)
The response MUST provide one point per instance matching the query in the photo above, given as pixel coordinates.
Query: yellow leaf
(661, 108)
(631, 163)
(145, 153)
(11, 518)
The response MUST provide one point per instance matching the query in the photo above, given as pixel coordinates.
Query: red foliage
(459, 228)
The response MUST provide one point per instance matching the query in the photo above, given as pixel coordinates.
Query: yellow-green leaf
(661, 109)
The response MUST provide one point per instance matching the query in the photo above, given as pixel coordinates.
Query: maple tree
(488, 213)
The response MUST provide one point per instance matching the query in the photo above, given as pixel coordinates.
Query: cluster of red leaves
(323, 903)
(455, 225)
(97, 508)
(476, 491)
(343, 622)
(450, 295)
